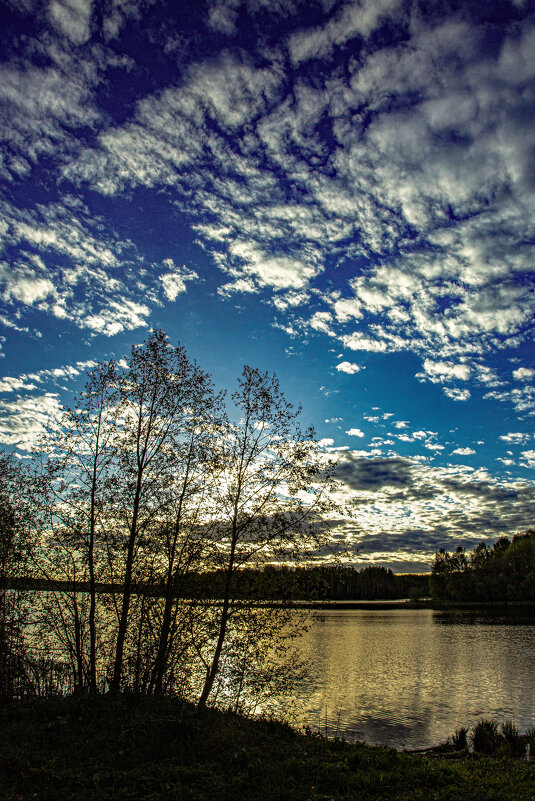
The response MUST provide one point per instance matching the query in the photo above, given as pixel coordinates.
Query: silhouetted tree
(269, 487)
(17, 539)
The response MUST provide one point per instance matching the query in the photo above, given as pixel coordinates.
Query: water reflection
(402, 677)
(409, 678)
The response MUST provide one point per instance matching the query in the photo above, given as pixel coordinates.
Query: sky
(341, 192)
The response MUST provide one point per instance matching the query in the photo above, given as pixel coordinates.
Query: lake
(409, 677)
(396, 676)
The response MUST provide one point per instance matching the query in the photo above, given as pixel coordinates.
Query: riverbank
(108, 748)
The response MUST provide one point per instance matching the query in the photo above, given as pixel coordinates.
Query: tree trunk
(127, 593)
(214, 667)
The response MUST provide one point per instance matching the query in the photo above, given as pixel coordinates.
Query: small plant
(485, 737)
(509, 731)
(514, 743)
(459, 739)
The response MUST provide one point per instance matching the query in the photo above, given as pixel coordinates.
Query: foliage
(459, 739)
(316, 582)
(485, 737)
(503, 573)
(16, 542)
(502, 740)
(150, 482)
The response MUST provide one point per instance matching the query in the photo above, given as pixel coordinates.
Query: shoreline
(141, 748)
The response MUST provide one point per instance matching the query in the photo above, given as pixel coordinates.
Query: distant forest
(278, 583)
(504, 572)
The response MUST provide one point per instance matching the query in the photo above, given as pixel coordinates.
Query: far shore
(318, 604)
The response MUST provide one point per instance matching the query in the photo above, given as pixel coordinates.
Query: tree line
(504, 572)
(153, 477)
(280, 583)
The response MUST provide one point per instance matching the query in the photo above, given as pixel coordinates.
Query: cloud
(516, 438)
(446, 371)
(523, 374)
(408, 159)
(72, 18)
(174, 281)
(523, 400)
(24, 284)
(404, 506)
(457, 394)
(353, 19)
(463, 451)
(31, 381)
(349, 367)
(24, 420)
(326, 442)
(373, 474)
(410, 162)
(222, 16)
(69, 266)
(118, 316)
(355, 432)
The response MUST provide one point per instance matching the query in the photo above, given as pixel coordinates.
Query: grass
(103, 748)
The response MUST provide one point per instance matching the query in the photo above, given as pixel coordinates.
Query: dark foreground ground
(109, 749)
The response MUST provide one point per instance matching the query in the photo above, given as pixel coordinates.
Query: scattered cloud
(24, 420)
(408, 506)
(349, 367)
(174, 281)
(457, 394)
(355, 432)
(523, 374)
(516, 438)
(353, 19)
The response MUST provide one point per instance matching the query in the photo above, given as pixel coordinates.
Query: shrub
(513, 742)
(485, 737)
(459, 740)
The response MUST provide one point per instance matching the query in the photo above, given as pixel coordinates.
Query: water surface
(410, 677)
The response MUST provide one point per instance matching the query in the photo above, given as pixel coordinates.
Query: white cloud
(24, 420)
(72, 18)
(516, 437)
(523, 374)
(446, 371)
(358, 341)
(326, 442)
(25, 285)
(355, 432)
(174, 281)
(359, 18)
(320, 321)
(463, 451)
(349, 367)
(117, 317)
(457, 394)
(529, 458)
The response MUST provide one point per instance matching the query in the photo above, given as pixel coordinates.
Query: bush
(513, 742)
(485, 737)
(459, 739)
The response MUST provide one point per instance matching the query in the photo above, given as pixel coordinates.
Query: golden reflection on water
(409, 678)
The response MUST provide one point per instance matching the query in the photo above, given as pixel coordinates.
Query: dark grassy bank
(124, 748)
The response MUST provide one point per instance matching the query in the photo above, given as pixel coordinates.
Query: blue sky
(340, 192)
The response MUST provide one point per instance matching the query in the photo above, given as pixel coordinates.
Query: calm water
(409, 678)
